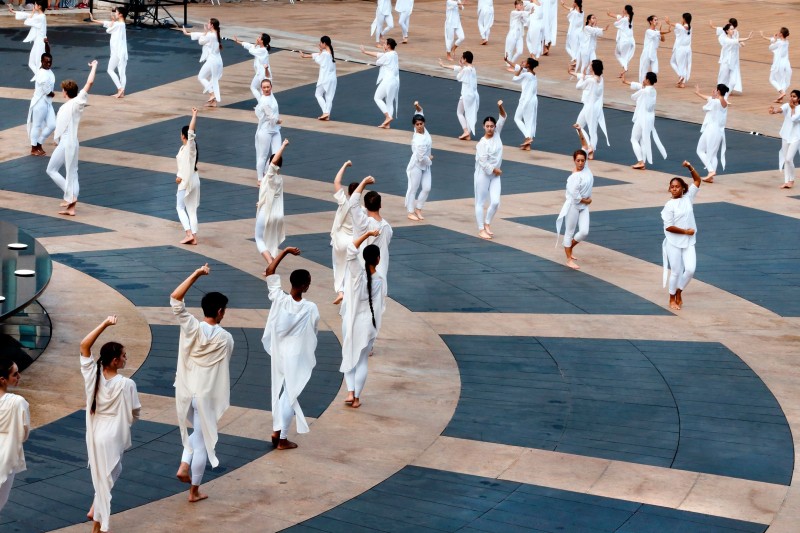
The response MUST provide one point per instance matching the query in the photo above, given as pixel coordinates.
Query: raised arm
(337, 181)
(746, 38)
(418, 108)
(695, 175)
(584, 142)
(609, 13)
(501, 109)
(374, 233)
(180, 291)
(193, 122)
(361, 186)
(89, 340)
(90, 79)
(273, 266)
(279, 152)
(764, 37)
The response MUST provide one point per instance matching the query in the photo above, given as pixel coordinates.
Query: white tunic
(550, 8)
(43, 84)
(452, 18)
(15, 422)
(108, 430)
(68, 120)
(790, 131)
(592, 112)
(363, 223)
(626, 44)
(190, 179)
(652, 39)
(645, 116)
(489, 152)
(516, 30)
(270, 199)
(204, 353)
(588, 47)
(404, 6)
(260, 61)
(528, 101)
(36, 35)
(729, 59)
(210, 44)
(678, 212)
(780, 73)
(469, 93)
(535, 37)
(290, 338)
(681, 60)
(389, 75)
(268, 115)
(713, 128)
(119, 40)
(575, 20)
(421, 144)
(341, 236)
(579, 186)
(327, 70)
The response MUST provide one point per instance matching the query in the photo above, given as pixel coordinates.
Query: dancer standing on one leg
(369, 218)
(681, 60)
(326, 82)
(41, 117)
(574, 28)
(730, 73)
(15, 424)
(790, 137)
(268, 133)
(260, 51)
(404, 9)
(780, 73)
(485, 19)
(653, 36)
(341, 231)
(525, 116)
(290, 339)
(591, 116)
(270, 232)
(112, 405)
(202, 381)
(211, 72)
(712, 132)
(66, 136)
(419, 167)
(188, 180)
(453, 32)
(516, 30)
(383, 21)
(488, 159)
(118, 60)
(38, 33)
(626, 44)
(680, 230)
(362, 311)
(644, 121)
(575, 211)
(469, 101)
(387, 93)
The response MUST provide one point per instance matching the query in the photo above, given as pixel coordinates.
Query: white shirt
(468, 78)
(119, 39)
(69, 118)
(652, 39)
(790, 131)
(15, 423)
(452, 18)
(261, 55)
(579, 186)
(489, 151)
(327, 68)
(43, 84)
(389, 64)
(268, 114)
(679, 212)
(209, 43)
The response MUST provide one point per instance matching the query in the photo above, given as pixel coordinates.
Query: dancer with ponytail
(362, 311)
(326, 83)
(626, 44)
(260, 52)
(341, 231)
(15, 422)
(37, 35)
(211, 72)
(188, 180)
(112, 405)
(369, 218)
(119, 47)
(270, 231)
(681, 60)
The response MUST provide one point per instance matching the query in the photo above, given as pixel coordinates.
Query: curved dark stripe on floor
(44, 226)
(439, 97)
(668, 404)
(433, 269)
(734, 252)
(423, 499)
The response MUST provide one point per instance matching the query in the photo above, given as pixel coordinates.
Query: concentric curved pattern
(25, 272)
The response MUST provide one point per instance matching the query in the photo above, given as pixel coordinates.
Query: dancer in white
(202, 381)
(188, 180)
(419, 167)
(362, 311)
(469, 101)
(653, 36)
(15, 424)
(516, 30)
(341, 231)
(626, 44)
(591, 115)
(268, 133)
(270, 232)
(575, 211)
(679, 257)
(369, 218)
(290, 339)
(780, 73)
(41, 117)
(730, 73)
(112, 405)
(260, 53)
(488, 160)
(37, 34)
(211, 71)
(712, 136)
(574, 28)
(453, 32)
(535, 38)
(66, 136)
(388, 92)
(525, 116)
(326, 82)
(118, 60)
(404, 9)
(790, 137)
(644, 120)
(588, 44)
(550, 8)
(681, 60)
(485, 19)
(383, 21)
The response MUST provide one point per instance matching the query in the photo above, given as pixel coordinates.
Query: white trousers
(453, 36)
(5, 490)
(35, 58)
(197, 455)
(43, 121)
(575, 219)
(645, 66)
(357, 377)
(636, 141)
(261, 225)
(461, 113)
(787, 153)
(115, 62)
(485, 21)
(682, 264)
(282, 417)
(707, 148)
(417, 178)
(383, 23)
(67, 156)
(266, 144)
(186, 214)
(487, 188)
(724, 75)
(525, 117)
(210, 74)
(385, 96)
(324, 95)
(403, 19)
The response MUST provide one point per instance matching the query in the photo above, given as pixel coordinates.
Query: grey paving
(44, 226)
(437, 270)
(687, 405)
(422, 499)
(748, 252)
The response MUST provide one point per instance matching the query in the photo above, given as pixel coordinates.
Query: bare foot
(484, 235)
(488, 230)
(639, 166)
(339, 298)
(405, 40)
(63, 204)
(286, 444)
(787, 185)
(572, 264)
(386, 124)
(95, 527)
(192, 241)
(324, 116)
(672, 303)
(70, 210)
(350, 398)
(211, 103)
(183, 473)
(709, 179)
(412, 216)
(187, 239)
(484, 42)
(418, 212)
(356, 403)
(449, 56)
(525, 147)
(195, 495)
(275, 437)
(679, 298)
(120, 94)
(90, 514)
(464, 137)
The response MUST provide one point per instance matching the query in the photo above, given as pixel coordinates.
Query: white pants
(383, 23)
(197, 455)
(266, 144)
(525, 117)
(210, 74)
(787, 153)
(575, 219)
(324, 95)
(403, 18)
(485, 21)
(186, 214)
(682, 264)
(35, 58)
(487, 187)
(357, 377)
(416, 178)
(636, 141)
(282, 417)
(67, 156)
(385, 96)
(115, 62)
(5, 490)
(707, 148)
(43, 121)
(724, 76)
(462, 114)
(453, 36)
(645, 66)
(261, 225)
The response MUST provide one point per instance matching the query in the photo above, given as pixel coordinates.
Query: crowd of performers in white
(360, 236)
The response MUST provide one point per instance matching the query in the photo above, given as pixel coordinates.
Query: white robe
(780, 73)
(790, 135)
(588, 47)
(550, 8)
(68, 120)
(678, 212)
(648, 62)
(591, 116)
(574, 29)
(260, 63)
(326, 81)
(42, 107)
(203, 373)
(363, 223)
(418, 170)
(36, 35)
(485, 18)
(388, 80)
(535, 38)
(644, 119)
(211, 72)
(469, 93)
(190, 179)
(119, 39)
(579, 186)
(290, 338)
(341, 236)
(525, 116)
(516, 32)
(681, 60)
(268, 132)
(270, 201)
(729, 71)
(108, 431)
(712, 136)
(15, 423)
(626, 44)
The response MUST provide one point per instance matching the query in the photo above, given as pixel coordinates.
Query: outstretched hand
(374, 233)
(292, 250)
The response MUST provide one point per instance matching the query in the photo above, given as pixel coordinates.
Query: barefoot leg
(673, 304)
(276, 436)
(195, 495)
(286, 444)
(350, 397)
(679, 298)
(183, 473)
(356, 403)
(339, 298)
(488, 229)
(418, 212)
(484, 235)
